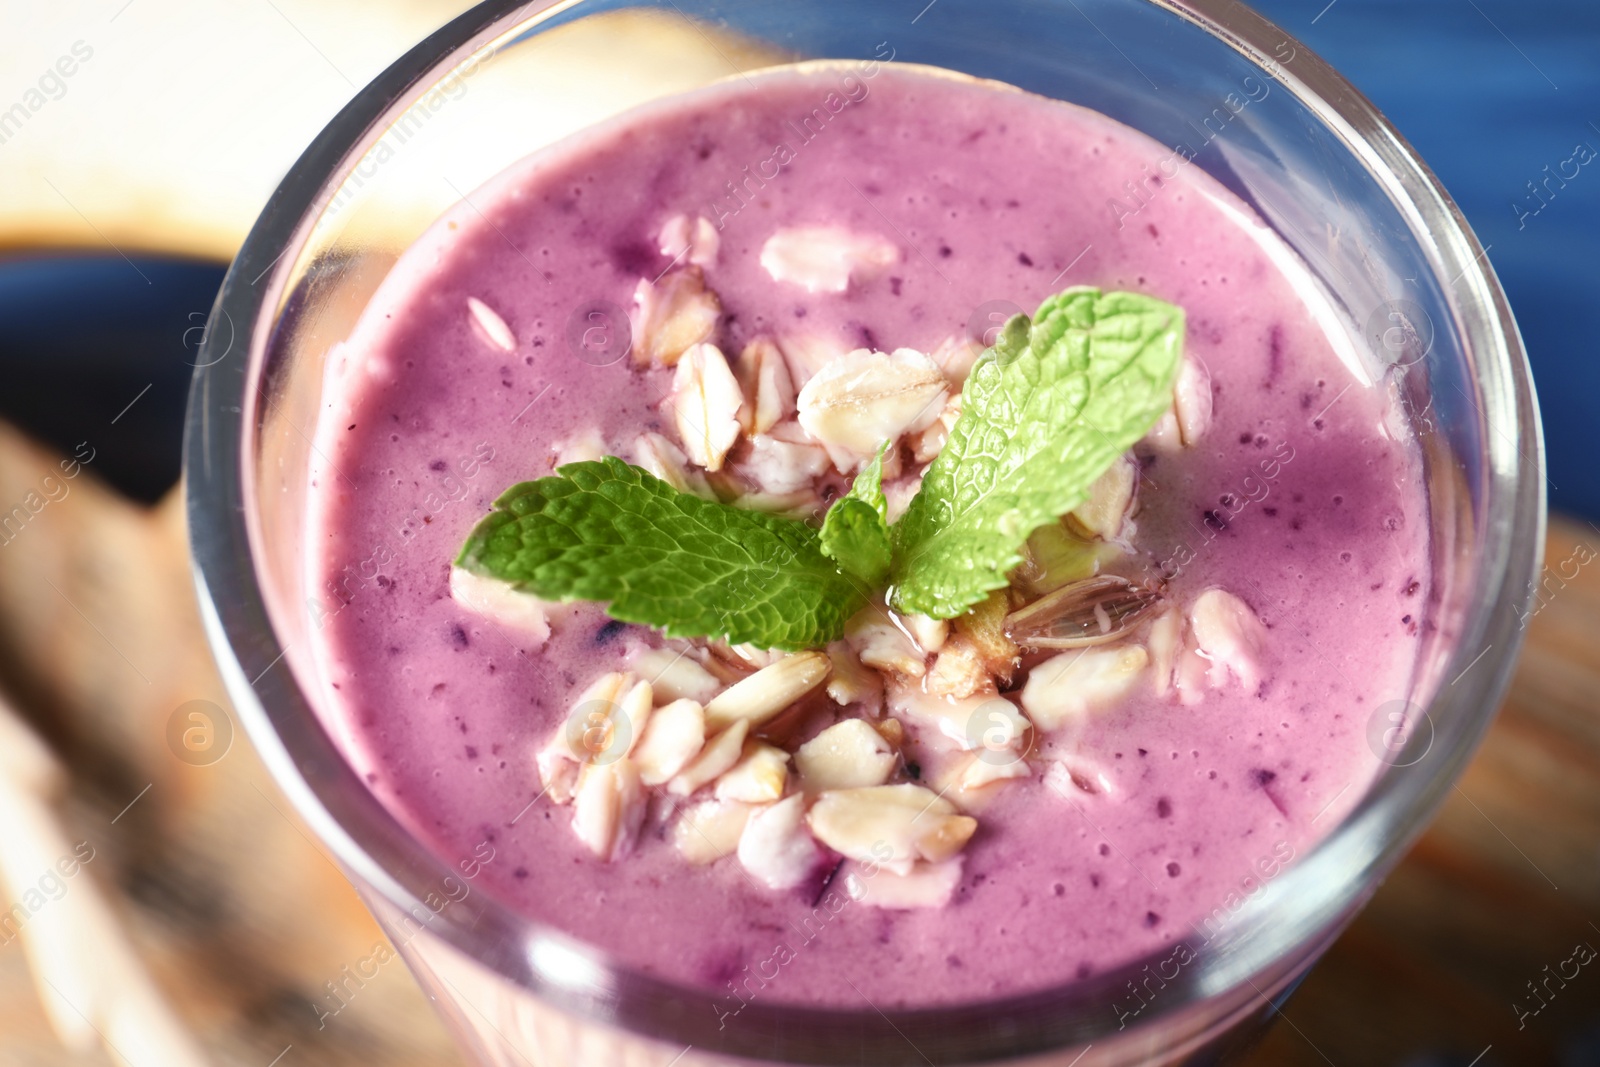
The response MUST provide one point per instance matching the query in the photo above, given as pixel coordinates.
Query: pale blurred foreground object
(249, 931)
(91, 983)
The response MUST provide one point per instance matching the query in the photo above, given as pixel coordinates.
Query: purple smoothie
(1299, 500)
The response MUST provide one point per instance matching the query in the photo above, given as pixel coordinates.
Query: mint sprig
(611, 532)
(855, 532)
(1043, 414)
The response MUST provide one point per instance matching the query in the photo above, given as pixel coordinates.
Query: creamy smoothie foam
(1299, 500)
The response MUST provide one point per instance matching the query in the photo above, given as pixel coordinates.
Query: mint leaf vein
(1044, 413)
(611, 532)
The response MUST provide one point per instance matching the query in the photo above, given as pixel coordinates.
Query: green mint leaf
(611, 532)
(1043, 414)
(855, 532)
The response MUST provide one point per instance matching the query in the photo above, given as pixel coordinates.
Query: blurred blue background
(1490, 92)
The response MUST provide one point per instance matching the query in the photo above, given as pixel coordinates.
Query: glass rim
(1314, 896)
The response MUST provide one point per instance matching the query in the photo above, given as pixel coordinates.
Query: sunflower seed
(1090, 612)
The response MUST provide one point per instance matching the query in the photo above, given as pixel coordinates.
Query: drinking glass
(1275, 125)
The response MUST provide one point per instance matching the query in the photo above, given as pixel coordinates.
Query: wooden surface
(170, 137)
(242, 918)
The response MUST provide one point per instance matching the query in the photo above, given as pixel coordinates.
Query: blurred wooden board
(243, 917)
(1504, 884)
(170, 136)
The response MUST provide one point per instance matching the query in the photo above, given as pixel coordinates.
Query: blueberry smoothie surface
(1139, 826)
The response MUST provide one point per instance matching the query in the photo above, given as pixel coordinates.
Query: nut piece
(1074, 684)
(958, 670)
(959, 722)
(929, 634)
(881, 644)
(847, 755)
(851, 682)
(1192, 401)
(491, 325)
(502, 603)
(1228, 634)
(675, 675)
(977, 773)
(666, 461)
(822, 259)
(558, 769)
(758, 777)
(718, 755)
(776, 847)
(1165, 643)
(608, 808)
(585, 446)
(1110, 500)
(929, 442)
(671, 315)
(694, 241)
(674, 736)
(590, 731)
(984, 625)
(892, 825)
(956, 355)
(710, 830)
(768, 387)
(705, 402)
(926, 885)
(1187, 420)
(865, 398)
(1070, 774)
(778, 467)
(767, 692)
